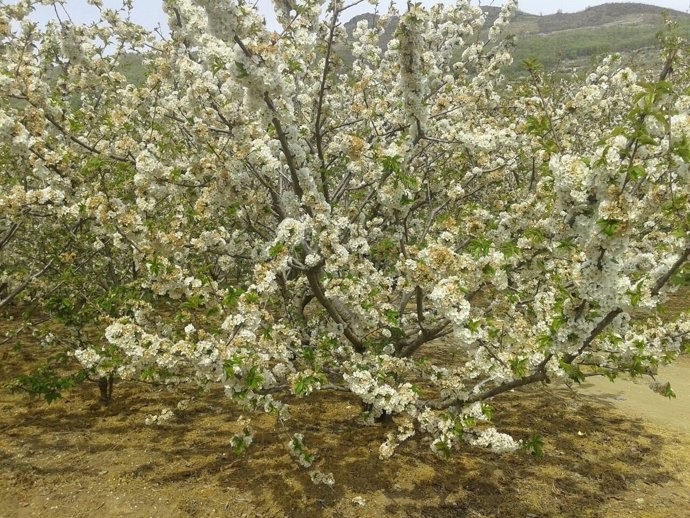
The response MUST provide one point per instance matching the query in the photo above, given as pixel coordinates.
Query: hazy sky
(150, 14)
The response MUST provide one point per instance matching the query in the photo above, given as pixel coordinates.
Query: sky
(150, 14)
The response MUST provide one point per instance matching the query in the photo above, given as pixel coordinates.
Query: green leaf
(241, 70)
(275, 250)
(443, 448)
(309, 355)
(232, 297)
(254, 379)
(510, 249)
(193, 302)
(557, 323)
(251, 298)
(392, 316)
(45, 381)
(519, 367)
(238, 444)
(538, 126)
(473, 325)
(480, 247)
(534, 446)
(532, 64)
(682, 149)
(609, 226)
(535, 235)
(488, 411)
(573, 372)
(635, 295)
(566, 244)
(305, 384)
(637, 171)
(391, 164)
(294, 65)
(545, 341)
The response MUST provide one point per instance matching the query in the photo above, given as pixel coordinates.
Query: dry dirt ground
(603, 457)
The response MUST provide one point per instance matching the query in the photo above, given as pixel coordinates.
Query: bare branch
(11, 231)
(16, 291)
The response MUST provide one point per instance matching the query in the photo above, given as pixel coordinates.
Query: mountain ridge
(575, 39)
(590, 17)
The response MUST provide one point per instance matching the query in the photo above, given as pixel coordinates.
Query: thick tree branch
(11, 231)
(334, 312)
(16, 291)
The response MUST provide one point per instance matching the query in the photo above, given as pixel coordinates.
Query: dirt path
(670, 420)
(634, 398)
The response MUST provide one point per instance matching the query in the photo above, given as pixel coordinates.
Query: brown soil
(75, 458)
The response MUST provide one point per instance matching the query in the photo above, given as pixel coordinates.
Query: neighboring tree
(319, 225)
(61, 255)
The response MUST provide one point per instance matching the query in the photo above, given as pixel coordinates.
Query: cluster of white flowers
(317, 477)
(382, 397)
(359, 501)
(241, 441)
(163, 417)
(299, 451)
(505, 15)
(571, 176)
(494, 440)
(393, 439)
(87, 357)
(449, 295)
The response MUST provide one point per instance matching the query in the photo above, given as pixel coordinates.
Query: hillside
(576, 39)
(569, 39)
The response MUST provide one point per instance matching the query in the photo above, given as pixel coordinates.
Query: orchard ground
(609, 450)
